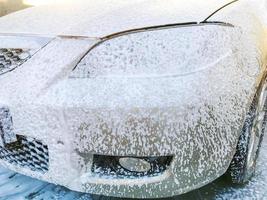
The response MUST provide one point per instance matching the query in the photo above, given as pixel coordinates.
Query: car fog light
(135, 164)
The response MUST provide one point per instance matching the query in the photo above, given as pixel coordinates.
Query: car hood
(92, 18)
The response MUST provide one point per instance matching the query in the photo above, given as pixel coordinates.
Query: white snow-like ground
(14, 186)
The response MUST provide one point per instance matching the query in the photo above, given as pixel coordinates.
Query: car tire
(243, 165)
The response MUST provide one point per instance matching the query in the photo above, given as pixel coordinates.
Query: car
(138, 99)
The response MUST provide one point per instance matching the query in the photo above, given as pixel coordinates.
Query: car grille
(28, 153)
(12, 58)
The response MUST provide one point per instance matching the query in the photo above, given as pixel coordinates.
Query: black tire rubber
(238, 170)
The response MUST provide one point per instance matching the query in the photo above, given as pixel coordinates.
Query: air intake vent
(112, 166)
(28, 153)
(12, 58)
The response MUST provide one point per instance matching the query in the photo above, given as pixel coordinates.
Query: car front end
(145, 113)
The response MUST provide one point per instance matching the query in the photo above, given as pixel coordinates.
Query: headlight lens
(15, 50)
(163, 52)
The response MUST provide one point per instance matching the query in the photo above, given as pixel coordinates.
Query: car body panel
(100, 18)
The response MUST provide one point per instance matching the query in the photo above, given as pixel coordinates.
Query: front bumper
(195, 118)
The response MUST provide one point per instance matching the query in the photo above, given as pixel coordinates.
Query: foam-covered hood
(100, 18)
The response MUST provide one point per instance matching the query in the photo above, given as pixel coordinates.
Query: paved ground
(15, 187)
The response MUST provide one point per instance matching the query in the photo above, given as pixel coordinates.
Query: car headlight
(15, 50)
(171, 51)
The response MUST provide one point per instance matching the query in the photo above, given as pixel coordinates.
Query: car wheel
(243, 165)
